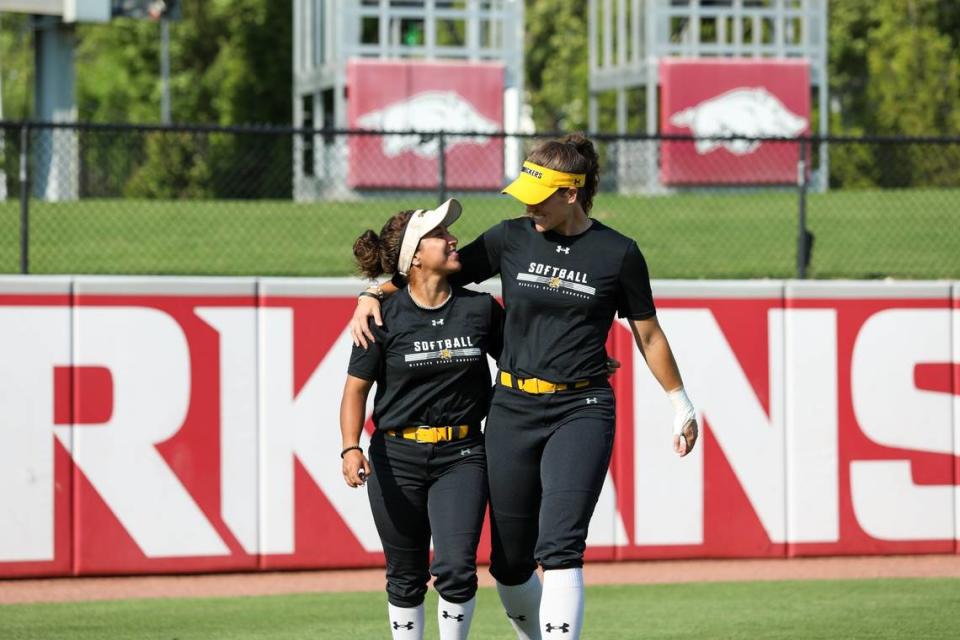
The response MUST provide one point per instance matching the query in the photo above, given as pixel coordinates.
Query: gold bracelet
(373, 291)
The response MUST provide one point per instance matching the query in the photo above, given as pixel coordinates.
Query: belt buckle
(550, 388)
(422, 435)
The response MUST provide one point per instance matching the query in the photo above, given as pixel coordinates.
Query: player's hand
(685, 430)
(356, 468)
(684, 441)
(359, 325)
(612, 365)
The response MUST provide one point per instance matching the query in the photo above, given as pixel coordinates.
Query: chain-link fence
(244, 201)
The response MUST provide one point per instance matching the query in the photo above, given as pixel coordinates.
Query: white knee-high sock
(522, 604)
(454, 619)
(406, 624)
(561, 606)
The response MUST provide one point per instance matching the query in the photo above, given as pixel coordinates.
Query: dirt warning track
(650, 572)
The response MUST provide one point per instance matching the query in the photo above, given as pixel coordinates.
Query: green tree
(230, 64)
(894, 71)
(16, 66)
(175, 167)
(556, 64)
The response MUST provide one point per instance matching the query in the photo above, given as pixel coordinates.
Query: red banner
(425, 97)
(717, 99)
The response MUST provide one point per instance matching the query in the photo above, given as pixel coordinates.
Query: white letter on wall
(33, 340)
(813, 504)
(147, 354)
(669, 490)
(239, 472)
(892, 412)
(307, 426)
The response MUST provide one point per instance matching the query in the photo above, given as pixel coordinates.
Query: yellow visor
(535, 183)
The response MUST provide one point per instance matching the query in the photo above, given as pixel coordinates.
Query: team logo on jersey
(459, 349)
(559, 279)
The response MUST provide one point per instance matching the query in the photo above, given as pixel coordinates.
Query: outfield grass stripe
(901, 608)
(911, 233)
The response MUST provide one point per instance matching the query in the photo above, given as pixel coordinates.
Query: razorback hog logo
(429, 111)
(751, 113)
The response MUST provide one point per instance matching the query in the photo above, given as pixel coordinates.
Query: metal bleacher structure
(328, 33)
(628, 38)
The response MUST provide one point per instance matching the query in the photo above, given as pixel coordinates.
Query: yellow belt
(431, 434)
(536, 385)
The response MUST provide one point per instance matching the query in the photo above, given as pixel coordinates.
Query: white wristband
(683, 410)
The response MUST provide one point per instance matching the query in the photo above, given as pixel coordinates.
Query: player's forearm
(352, 416)
(662, 364)
(655, 348)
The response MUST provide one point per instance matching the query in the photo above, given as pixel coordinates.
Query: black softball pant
(419, 489)
(547, 457)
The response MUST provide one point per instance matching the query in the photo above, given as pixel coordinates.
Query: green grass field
(907, 608)
(859, 234)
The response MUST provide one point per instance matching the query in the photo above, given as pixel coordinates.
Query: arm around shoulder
(368, 306)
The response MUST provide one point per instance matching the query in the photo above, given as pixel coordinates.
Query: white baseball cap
(422, 222)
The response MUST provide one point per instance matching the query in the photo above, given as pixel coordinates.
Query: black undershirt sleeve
(480, 258)
(634, 297)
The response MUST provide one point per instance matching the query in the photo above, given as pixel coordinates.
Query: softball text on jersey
(557, 278)
(447, 350)
(561, 294)
(429, 364)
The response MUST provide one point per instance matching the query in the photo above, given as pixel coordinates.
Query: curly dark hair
(377, 255)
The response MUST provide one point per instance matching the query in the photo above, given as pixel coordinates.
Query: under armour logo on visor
(565, 627)
(408, 626)
(591, 401)
(565, 250)
(458, 617)
(437, 322)
(520, 618)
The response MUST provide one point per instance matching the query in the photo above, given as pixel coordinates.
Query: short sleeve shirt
(430, 366)
(560, 294)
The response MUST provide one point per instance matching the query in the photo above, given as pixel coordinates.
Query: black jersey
(560, 293)
(430, 366)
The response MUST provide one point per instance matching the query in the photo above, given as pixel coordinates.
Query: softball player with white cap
(426, 471)
(549, 432)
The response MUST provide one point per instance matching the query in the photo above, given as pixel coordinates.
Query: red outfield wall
(190, 425)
